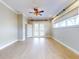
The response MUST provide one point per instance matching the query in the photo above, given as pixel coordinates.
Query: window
(63, 24)
(68, 22)
(77, 20)
(55, 25)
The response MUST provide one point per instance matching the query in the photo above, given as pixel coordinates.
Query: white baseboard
(73, 50)
(8, 44)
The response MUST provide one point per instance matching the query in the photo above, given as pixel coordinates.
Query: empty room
(39, 29)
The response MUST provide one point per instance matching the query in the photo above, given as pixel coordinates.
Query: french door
(36, 30)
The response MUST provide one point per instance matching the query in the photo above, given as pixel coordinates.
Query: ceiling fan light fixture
(37, 12)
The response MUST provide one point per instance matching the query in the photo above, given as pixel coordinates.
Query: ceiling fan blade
(31, 12)
(41, 11)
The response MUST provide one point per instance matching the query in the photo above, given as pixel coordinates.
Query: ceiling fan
(37, 12)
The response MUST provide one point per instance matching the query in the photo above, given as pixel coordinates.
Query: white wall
(69, 36)
(21, 27)
(8, 25)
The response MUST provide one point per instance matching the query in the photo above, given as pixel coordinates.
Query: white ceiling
(51, 7)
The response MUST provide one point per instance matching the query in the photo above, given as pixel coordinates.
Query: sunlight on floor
(37, 41)
(42, 40)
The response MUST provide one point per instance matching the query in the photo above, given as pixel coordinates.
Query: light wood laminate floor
(37, 48)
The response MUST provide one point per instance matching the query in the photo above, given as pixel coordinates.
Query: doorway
(37, 29)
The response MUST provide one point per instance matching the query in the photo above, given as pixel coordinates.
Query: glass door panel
(42, 30)
(36, 30)
(29, 30)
